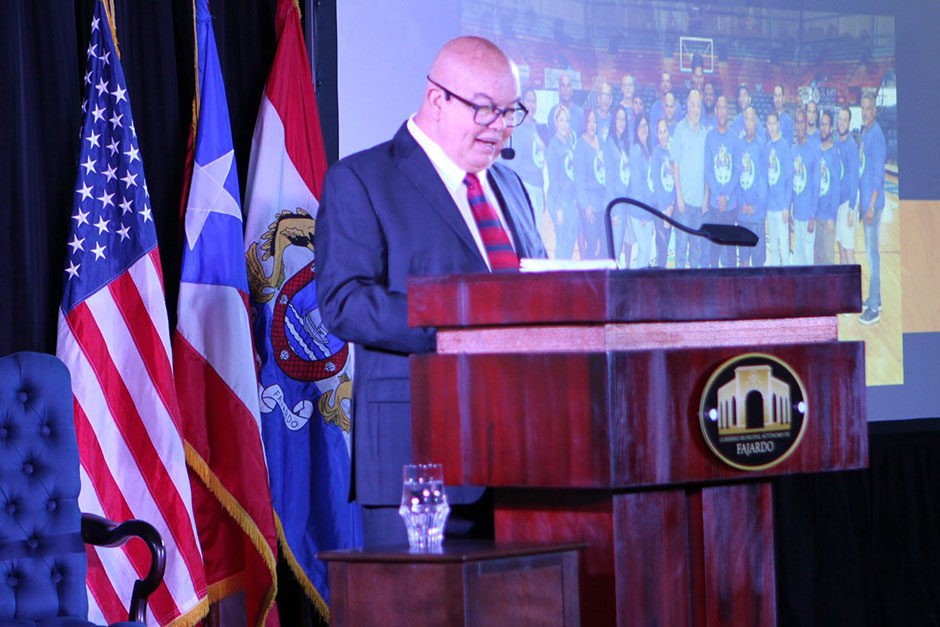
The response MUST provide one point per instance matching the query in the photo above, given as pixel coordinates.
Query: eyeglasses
(484, 115)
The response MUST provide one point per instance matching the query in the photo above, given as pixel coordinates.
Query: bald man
(658, 110)
(431, 201)
(566, 102)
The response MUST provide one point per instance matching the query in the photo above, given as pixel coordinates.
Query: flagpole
(196, 94)
(109, 12)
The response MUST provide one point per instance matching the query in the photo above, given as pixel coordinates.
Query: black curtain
(853, 548)
(863, 547)
(40, 108)
(43, 57)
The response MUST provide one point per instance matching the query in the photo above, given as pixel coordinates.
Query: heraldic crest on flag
(301, 346)
(113, 334)
(304, 372)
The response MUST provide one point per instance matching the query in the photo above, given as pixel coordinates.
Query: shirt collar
(451, 174)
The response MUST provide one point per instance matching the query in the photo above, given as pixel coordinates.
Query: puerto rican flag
(214, 362)
(305, 372)
(114, 337)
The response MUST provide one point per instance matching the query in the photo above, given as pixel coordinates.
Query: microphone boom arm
(722, 234)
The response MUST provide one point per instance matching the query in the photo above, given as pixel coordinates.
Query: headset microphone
(508, 153)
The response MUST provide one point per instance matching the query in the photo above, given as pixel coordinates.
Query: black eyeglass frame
(497, 113)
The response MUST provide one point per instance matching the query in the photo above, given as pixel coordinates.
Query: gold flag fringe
(193, 616)
(231, 505)
(318, 602)
(226, 587)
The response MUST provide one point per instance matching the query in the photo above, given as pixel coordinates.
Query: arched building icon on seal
(754, 400)
(754, 411)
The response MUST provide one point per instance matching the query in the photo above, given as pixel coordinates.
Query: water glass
(424, 506)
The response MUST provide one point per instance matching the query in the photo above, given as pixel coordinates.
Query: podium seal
(753, 411)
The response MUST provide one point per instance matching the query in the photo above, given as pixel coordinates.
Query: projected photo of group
(781, 121)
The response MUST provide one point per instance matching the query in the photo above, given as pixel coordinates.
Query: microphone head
(508, 153)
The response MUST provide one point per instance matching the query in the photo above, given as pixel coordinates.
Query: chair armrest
(103, 532)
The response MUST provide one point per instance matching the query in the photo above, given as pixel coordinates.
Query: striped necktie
(499, 250)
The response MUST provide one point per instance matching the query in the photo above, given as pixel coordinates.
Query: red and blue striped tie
(495, 239)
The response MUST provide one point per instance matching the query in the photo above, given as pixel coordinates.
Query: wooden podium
(576, 396)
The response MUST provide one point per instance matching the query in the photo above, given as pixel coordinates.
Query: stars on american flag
(81, 217)
(112, 221)
(77, 243)
(85, 191)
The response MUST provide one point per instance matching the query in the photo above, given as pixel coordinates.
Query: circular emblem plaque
(753, 411)
(302, 346)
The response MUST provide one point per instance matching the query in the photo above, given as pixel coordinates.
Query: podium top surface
(602, 296)
(452, 551)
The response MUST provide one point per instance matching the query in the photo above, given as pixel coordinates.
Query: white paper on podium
(556, 265)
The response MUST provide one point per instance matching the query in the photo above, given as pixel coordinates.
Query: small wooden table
(468, 583)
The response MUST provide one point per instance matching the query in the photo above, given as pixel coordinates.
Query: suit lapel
(418, 169)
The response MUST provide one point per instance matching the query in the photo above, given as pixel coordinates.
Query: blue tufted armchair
(42, 532)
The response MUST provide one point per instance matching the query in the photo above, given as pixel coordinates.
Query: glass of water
(424, 506)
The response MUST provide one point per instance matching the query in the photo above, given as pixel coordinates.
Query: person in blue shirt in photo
(752, 189)
(670, 108)
(617, 161)
(561, 202)
(871, 189)
(830, 178)
(784, 120)
(805, 192)
(529, 162)
(663, 189)
(698, 72)
(812, 121)
(659, 108)
(708, 106)
(848, 196)
(605, 99)
(641, 188)
(590, 185)
(721, 177)
(639, 108)
(627, 90)
(744, 101)
(779, 190)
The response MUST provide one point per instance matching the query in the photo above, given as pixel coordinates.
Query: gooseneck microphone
(508, 153)
(722, 234)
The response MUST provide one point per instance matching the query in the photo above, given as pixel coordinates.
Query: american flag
(114, 336)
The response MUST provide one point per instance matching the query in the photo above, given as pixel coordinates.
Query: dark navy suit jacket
(386, 215)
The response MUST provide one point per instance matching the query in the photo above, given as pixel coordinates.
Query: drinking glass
(424, 506)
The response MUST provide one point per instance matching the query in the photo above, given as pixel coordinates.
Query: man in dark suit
(431, 201)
